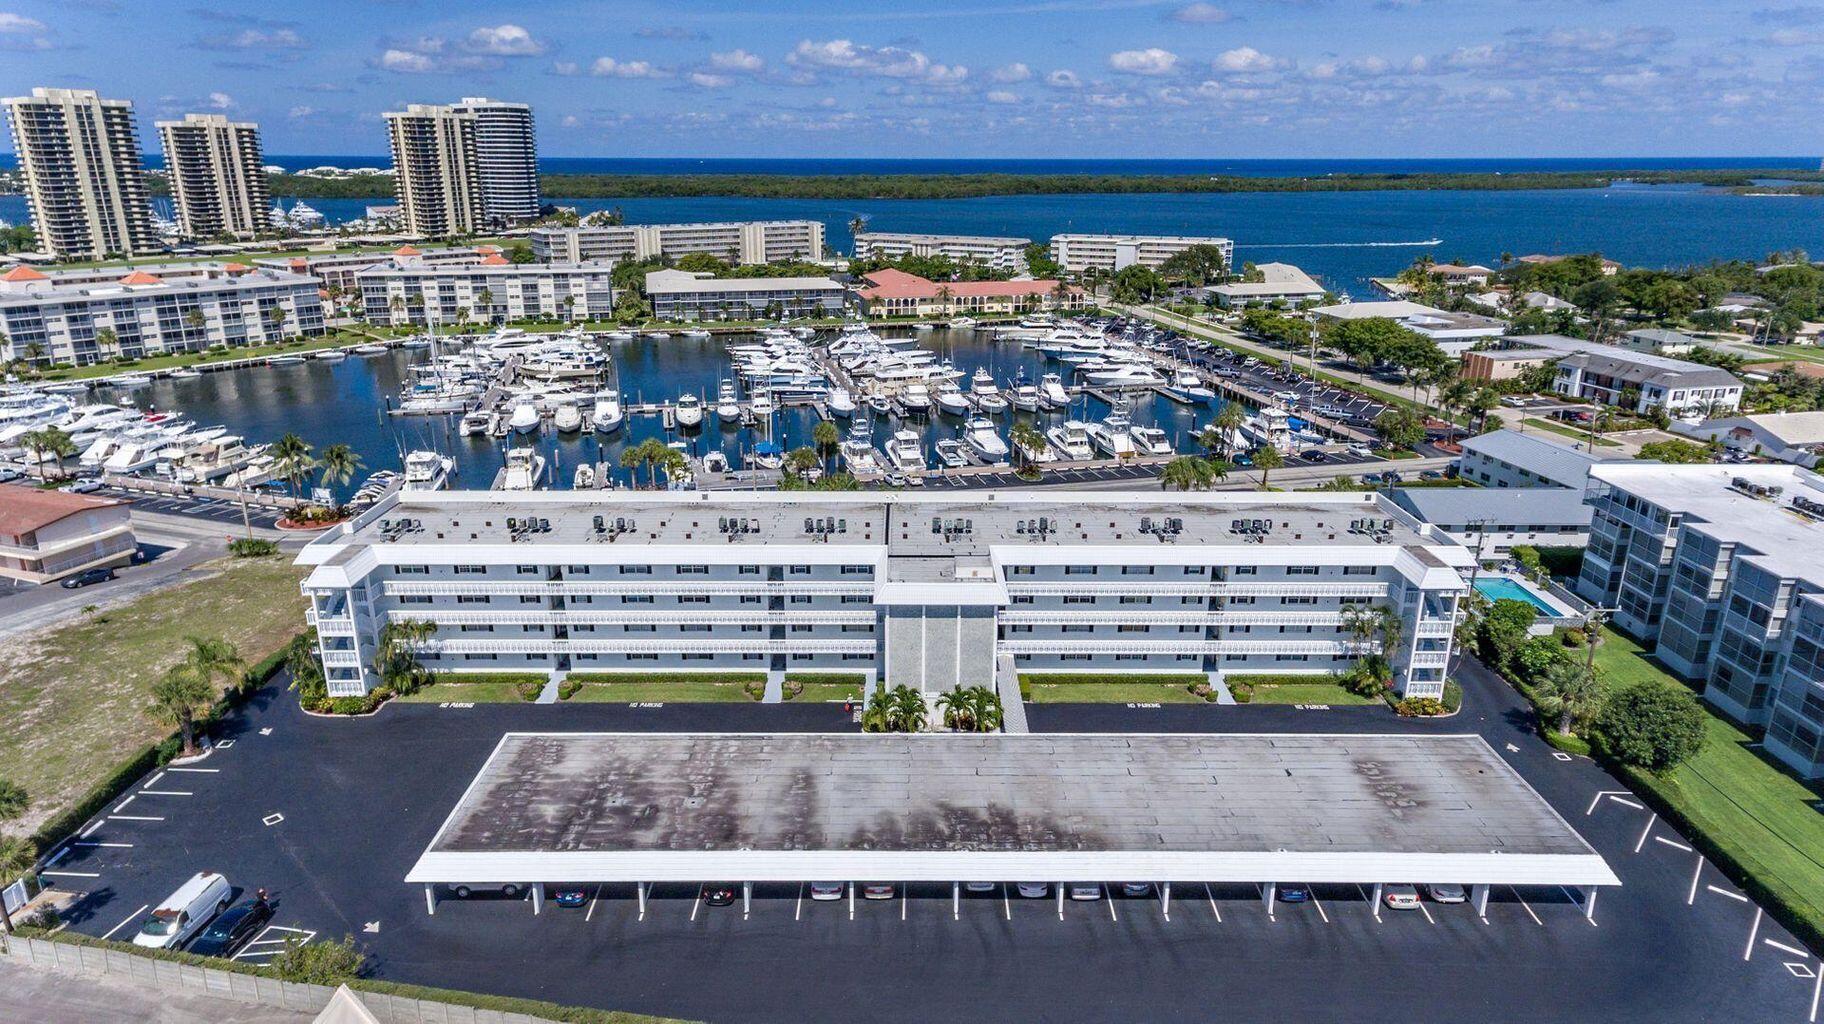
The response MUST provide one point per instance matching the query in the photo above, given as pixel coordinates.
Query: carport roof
(759, 807)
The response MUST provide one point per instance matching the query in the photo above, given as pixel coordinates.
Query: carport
(642, 808)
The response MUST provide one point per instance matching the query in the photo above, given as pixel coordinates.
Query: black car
(567, 895)
(86, 577)
(718, 895)
(232, 929)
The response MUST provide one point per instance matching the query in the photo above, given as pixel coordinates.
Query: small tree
(1571, 691)
(17, 855)
(825, 436)
(1651, 725)
(318, 963)
(1266, 459)
(1187, 473)
(396, 655)
(178, 698)
(214, 659)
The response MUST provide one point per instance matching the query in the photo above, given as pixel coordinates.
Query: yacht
(984, 440)
(524, 419)
(186, 375)
(858, 451)
(906, 452)
(767, 455)
(880, 403)
(133, 456)
(568, 419)
(1051, 391)
(916, 399)
(923, 327)
(619, 335)
(584, 478)
(1111, 436)
(1150, 441)
(728, 407)
(285, 361)
(696, 334)
(658, 335)
(762, 405)
(986, 393)
(1025, 395)
(1122, 376)
(1072, 440)
(476, 423)
(951, 399)
(370, 350)
(715, 462)
(328, 355)
(950, 453)
(1188, 388)
(962, 323)
(689, 410)
(608, 414)
(1271, 427)
(525, 468)
(427, 471)
(841, 403)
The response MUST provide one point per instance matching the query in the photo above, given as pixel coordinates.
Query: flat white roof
(653, 807)
(1786, 543)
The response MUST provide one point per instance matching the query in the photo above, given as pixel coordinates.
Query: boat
(1025, 395)
(841, 403)
(728, 407)
(1111, 436)
(525, 418)
(715, 461)
(330, 355)
(568, 419)
(762, 405)
(476, 423)
(916, 399)
(986, 393)
(1051, 391)
(1187, 387)
(130, 380)
(427, 471)
(880, 403)
(619, 335)
(923, 327)
(1071, 439)
(696, 333)
(689, 410)
(524, 469)
(950, 453)
(584, 478)
(857, 450)
(951, 399)
(285, 361)
(370, 350)
(984, 441)
(767, 455)
(608, 414)
(962, 323)
(1123, 376)
(658, 335)
(186, 374)
(1150, 441)
(906, 452)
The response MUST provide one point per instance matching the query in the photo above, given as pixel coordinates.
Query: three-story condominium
(436, 170)
(1722, 569)
(408, 289)
(1077, 253)
(218, 176)
(928, 591)
(1000, 253)
(748, 241)
(506, 158)
(79, 156)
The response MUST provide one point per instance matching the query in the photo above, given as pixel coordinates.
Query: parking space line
(209, 771)
(1110, 897)
(1651, 821)
(694, 904)
(123, 804)
(1691, 897)
(1526, 906)
(1784, 948)
(1725, 892)
(118, 846)
(1426, 912)
(93, 825)
(798, 910)
(1748, 951)
(133, 817)
(905, 897)
(1816, 988)
(279, 943)
(592, 899)
(125, 921)
(71, 874)
(1212, 898)
(1319, 904)
(1630, 803)
(1672, 843)
(154, 780)
(165, 792)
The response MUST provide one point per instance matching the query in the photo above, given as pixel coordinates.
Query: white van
(184, 912)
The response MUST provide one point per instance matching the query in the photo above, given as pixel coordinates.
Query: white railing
(342, 659)
(1336, 588)
(538, 588)
(511, 616)
(1128, 615)
(1430, 659)
(1434, 628)
(1114, 645)
(335, 625)
(672, 645)
(1326, 588)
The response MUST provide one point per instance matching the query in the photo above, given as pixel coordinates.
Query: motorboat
(696, 333)
(1052, 392)
(525, 419)
(715, 462)
(584, 478)
(984, 441)
(186, 374)
(880, 403)
(951, 399)
(476, 423)
(1271, 427)
(728, 406)
(689, 410)
(767, 455)
(962, 323)
(923, 327)
(427, 471)
(1187, 387)
(1071, 439)
(1111, 436)
(986, 393)
(1025, 396)
(841, 403)
(619, 335)
(762, 405)
(285, 361)
(658, 335)
(128, 381)
(916, 399)
(370, 350)
(906, 452)
(330, 355)
(857, 450)
(608, 414)
(1150, 441)
(418, 342)
(950, 453)
(1124, 376)
(524, 469)
(567, 418)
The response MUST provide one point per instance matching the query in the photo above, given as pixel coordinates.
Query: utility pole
(1475, 570)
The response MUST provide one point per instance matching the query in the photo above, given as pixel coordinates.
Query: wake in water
(1336, 245)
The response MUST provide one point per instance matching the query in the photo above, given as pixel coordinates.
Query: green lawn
(1090, 688)
(688, 692)
(73, 696)
(1569, 431)
(334, 339)
(465, 693)
(1621, 662)
(1307, 693)
(814, 692)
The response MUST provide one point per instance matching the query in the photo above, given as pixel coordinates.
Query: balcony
(334, 625)
(671, 646)
(342, 659)
(1327, 588)
(1129, 615)
(1431, 659)
(1115, 645)
(1434, 628)
(530, 616)
(646, 586)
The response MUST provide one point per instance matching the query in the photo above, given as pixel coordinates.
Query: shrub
(1419, 707)
(1202, 690)
(1453, 696)
(348, 706)
(827, 678)
(792, 688)
(568, 688)
(1242, 692)
(1650, 725)
(755, 688)
(252, 547)
(529, 689)
(1570, 743)
(318, 963)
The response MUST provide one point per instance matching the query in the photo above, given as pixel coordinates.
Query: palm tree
(825, 436)
(340, 464)
(34, 351)
(800, 461)
(1266, 459)
(396, 655)
(51, 441)
(1187, 473)
(907, 707)
(107, 341)
(1028, 440)
(195, 319)
(971, 709)
(1572, 691)
(178, 697)
(277, 316)
(485, 299)
(211, 659)
(292, 460)
(1226, 425)
(1454, 398)
(944, 295)
(672, 463)
(17, 855)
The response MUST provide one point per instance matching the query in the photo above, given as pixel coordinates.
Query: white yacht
(608, 414)
(1112, 436)
(1124, 376)
(658, 335)
(187, 374)
(1150, 440)
(696, 333)
(962, 323)
(427, 471)
(857, 450)
(880, 403)
(714, 461)
(1187, 387)
(762, 404)
(951, 399)
(524, 419)
(584, 478)
(728, 407)
(916, 399)
(984, 440)
(525, 468)
(906, 452)
(476, 423)
(1270, 427)
(1071, 439)
(950, 453)
(986, 393)
(841, 403)
(1051, 390)
(1025, 395)
(689, 410)
(567, 418)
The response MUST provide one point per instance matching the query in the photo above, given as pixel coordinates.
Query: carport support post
(538, 897)
(1479, 894)
(956, 900)
(640, 888)
(1267, 892)
(1377, 901)
(1589, 903)
(747, 898)
(430, 899)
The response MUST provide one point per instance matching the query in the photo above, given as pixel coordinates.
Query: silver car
(1034, 890)
(1446, 892)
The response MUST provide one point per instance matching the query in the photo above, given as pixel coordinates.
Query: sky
(988, 78)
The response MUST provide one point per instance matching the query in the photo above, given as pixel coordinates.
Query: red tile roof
(24, 509)
(406, 250)
(139, 277)
(23, 273)
(897, 284)
(495, 260)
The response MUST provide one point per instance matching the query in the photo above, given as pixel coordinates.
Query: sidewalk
(36, 994)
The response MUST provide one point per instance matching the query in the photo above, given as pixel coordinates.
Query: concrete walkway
(35, 994)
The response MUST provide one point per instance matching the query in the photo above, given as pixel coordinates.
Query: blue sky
(991, 78)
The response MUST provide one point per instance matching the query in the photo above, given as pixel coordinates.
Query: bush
(1203, 690)
(827, 678)
(669, 677)
(1570, 743)
(568, 688)
(318, 963)
(791, 688)
(1650, 725)
(252, 547)
(1453, 696)
(529, 689)
(755, 688)
(1419, 707)
(1243, 692)
(349, 706)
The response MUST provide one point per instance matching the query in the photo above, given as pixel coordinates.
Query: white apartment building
(405, 291)
(1510, 459)
(151, 310)
(1077, 253)
(506, 158)
(79, 157)
(436, 170)
(751, 241)
(1454, 332)
(989, 251)
(928, 591)
(1721, 569)
(218, 176)
(338, 270)
(680, 295)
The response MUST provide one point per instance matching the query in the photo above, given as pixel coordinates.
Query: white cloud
(564, 67)
(19, 24)
(1015, 72)
(708, 81)
(736, 60)
(1245, 59)
(1003, 96)
(406, 62)
(1063, 78)
(1150, 61)
(221, 100)
(571, 121)
(1201, 14)
(276, 38)
(300, 113)
(505, 41)
(884, 61)
(608, 67)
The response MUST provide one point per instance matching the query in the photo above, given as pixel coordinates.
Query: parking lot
(329, 816)
(227, 513)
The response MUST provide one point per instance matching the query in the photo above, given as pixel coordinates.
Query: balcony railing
(1327, 588)
(657, 587)
(1430, 659)
(1126, 615)
(342, 659)
(1113, 645)
(1434, 628)
(335, 625)
(673, 645)
(669, 617)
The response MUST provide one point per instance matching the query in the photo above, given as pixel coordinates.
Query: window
(1301, 570)
(412, 570)
(471, 570)
(415, 599)
(1360, 570)
(1132, 629)
(750, 570)
(636, 570)
(1246, 570)
(1290, 657)
(526, 570)
(640, 629)
(1022, 599)
(857, 570)
(1136, 600)
(642, 657)
(577, 570)
(1079, 570)
(698, 657)
(530, 599)
(856, 599)
(1136, 570)
(693, 570)
(471, 599)
(1193, 570)
(636, 599)
(694, 627)
(693, 598)
(1130, 657)
(750, 598)
(799, 627)
(801, 599)
(1078, 599)
(801, 570)
(1019, 629)
(1073, 657)
(1019, 570)
(1079, 629)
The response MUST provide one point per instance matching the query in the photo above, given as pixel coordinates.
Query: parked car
(978, 886)
(1034, 890)
(233, 928)
(1314, 455)
(1400, 897)
(1293, 892)
(86, 577)
(509, 889)
(824, 892)
(184, 912)
(567, 895)
(877, 891)
(1085, 891)
(82, 487)
(8, 474)
(718, 895)
(1446, 892)
(1431, 474)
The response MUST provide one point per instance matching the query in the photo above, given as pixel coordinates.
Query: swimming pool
(1503, 588)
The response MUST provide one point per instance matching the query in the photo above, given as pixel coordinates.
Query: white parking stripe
(153, 781)
(1526, 906)
(1672, 843)
(1426, 912)
(210, 771)
(596, 896)
(1319, 904)
(1725, 892)
(165, 792)
(1691, 897)
(93, 825)
(695, 903)
(71, 874)
(1748, 951)
(118, 846)
(126, 921)
(1784, 948)
(1110, 897)
(1006, 903)
(798, 910)
(1630, 803)
(123, 804)
(133, 817)
(1651, 821)
(1212, 896)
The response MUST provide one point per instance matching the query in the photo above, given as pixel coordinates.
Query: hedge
(828, 678)
(1068, 678)
(734, 676)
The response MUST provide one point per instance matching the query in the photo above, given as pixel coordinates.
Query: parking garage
(650, 808)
